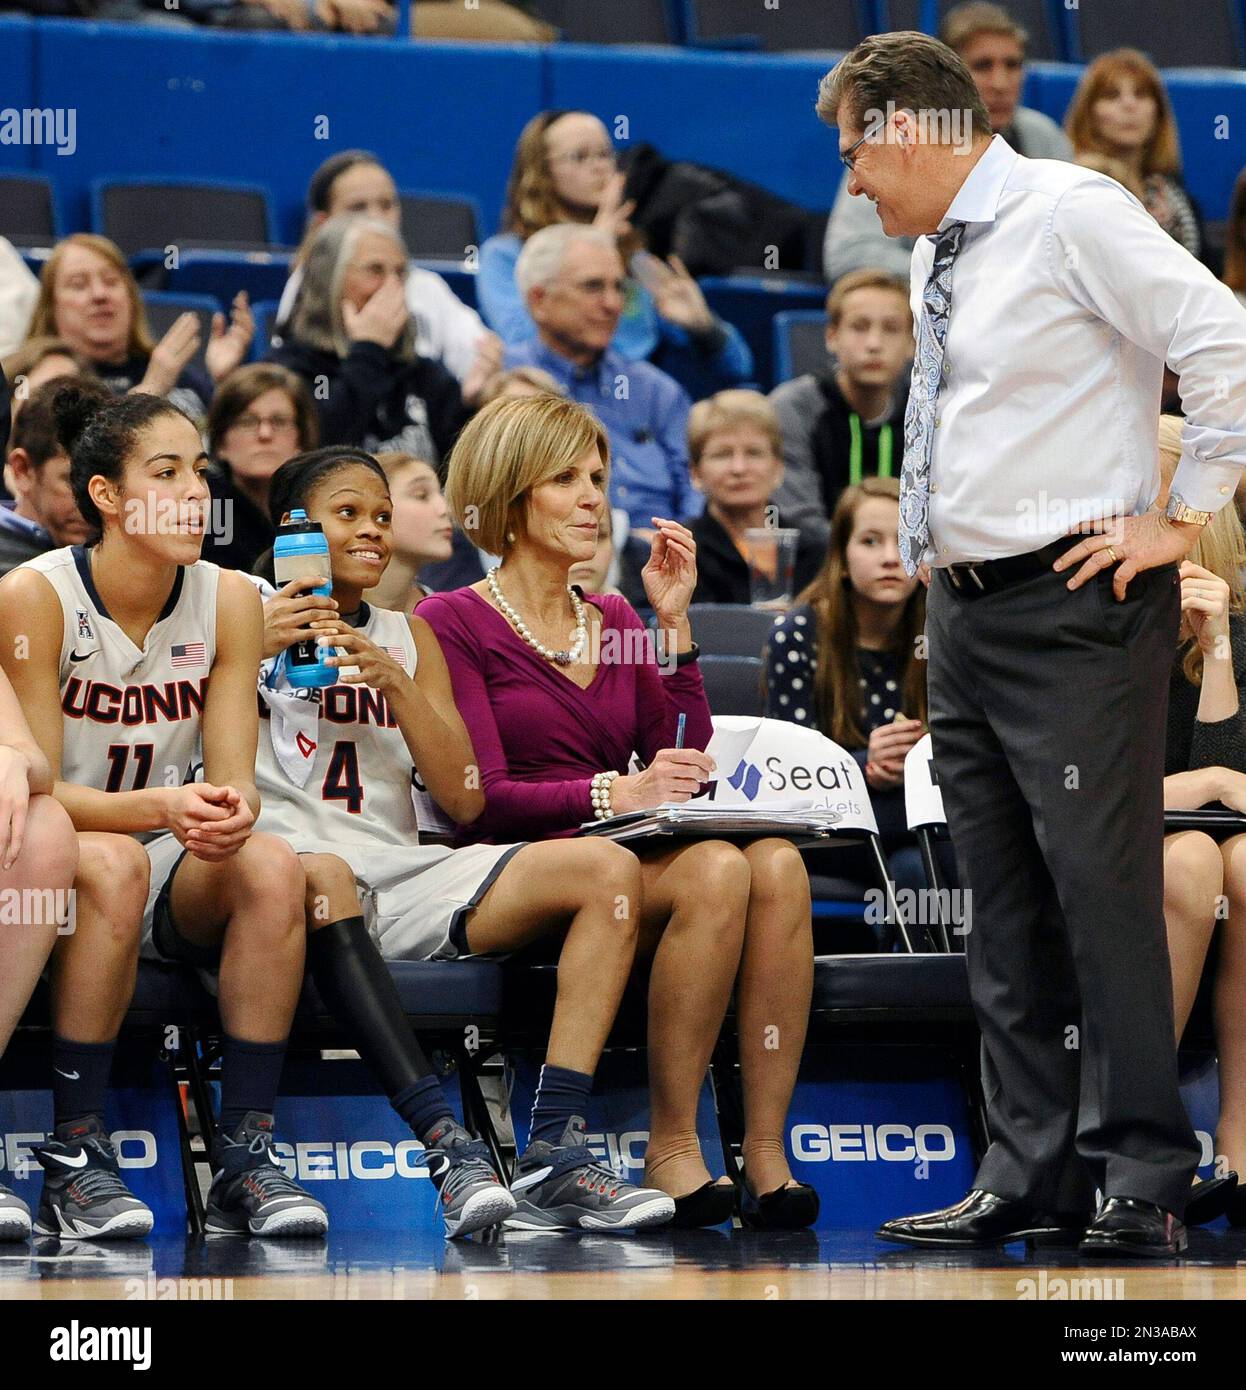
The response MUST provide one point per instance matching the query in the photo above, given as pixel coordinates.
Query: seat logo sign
(746, 779)
(873, 1143)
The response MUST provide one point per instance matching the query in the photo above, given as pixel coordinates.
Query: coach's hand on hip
(1135, 543)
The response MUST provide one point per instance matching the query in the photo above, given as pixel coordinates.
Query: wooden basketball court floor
(703, 1265)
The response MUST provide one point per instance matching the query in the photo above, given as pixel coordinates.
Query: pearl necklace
(566, 658)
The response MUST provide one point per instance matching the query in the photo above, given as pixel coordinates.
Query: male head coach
(1046, 302)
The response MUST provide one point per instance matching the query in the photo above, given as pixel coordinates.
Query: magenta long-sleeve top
(539, 739)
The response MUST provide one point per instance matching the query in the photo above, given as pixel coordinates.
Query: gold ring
(1112, 555)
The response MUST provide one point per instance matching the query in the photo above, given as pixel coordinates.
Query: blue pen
(679, 730)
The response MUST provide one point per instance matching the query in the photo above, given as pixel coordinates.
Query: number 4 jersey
(132, 714)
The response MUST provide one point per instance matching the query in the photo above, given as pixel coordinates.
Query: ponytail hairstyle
(98, 431)
(295, 481)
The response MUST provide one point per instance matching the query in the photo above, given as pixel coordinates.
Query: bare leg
(93, 969)
(48, 861)
(1193, 879)
(695, 902)
(252, 904)
(592, 887)
(773, 994)
(1230, 1010)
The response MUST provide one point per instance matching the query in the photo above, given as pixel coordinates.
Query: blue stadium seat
(751, 304)
(163, 308)
(637, 21)
(1041, 19)
(28, 210)
(1174, 33)
(732, 684)
(780, 29)
(141, 214)
(221, 274)
(729, 629)
(799, 343)
(929, 987)
(439, 226)
(265, 314)
(437, 995)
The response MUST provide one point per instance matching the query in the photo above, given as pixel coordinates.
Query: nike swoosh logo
(279, 1201)
(68, 1075)
(73, 656)
(531, 1179)
(79, 1162)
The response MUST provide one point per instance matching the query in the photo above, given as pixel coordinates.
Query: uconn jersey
(131, 714)
(359, 786)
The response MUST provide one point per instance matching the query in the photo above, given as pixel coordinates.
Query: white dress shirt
(1067, 300)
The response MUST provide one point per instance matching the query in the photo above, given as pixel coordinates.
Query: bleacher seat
(732, 684)
(163, 308)
(638, 21)
(783, 28)
(1173, 33)
(264, 312)
(439, 227)
(204, 270)
(1034, 16)
(897, 988)
(729, 629)
(799, 343)
(28, 215)
(142, 214)
(751, 302)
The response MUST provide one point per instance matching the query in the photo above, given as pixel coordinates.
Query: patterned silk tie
(919, 418)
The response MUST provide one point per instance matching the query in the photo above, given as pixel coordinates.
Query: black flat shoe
(1210, 1199)
(784, 1209)
(981, 1220)
(1126, 1226)
(710, 1205)
(1236, 1210)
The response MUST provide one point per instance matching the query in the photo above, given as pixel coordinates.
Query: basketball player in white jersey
(38, 857)
(335, 775)
(134, 661)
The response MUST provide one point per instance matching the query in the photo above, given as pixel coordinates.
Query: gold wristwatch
(1178, 510)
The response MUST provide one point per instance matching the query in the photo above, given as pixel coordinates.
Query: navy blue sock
(250, 1076)
(80, 1073)
(560, 1093)
(423, 1105)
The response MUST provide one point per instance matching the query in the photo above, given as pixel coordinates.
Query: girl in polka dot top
(844, 659)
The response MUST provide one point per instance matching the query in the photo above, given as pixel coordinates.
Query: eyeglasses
(848, 156)
(596, 288)
(279, 424)
(584, 157)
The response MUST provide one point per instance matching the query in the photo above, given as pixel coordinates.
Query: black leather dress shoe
(983, 1219)
(1210, 1199)
(1125, 1226)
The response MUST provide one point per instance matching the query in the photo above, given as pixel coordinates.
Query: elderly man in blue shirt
(573, 280)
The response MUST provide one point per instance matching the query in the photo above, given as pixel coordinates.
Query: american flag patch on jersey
(189, 654)
(398, 654)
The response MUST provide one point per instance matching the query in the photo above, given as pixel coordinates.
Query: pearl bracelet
(600, 792)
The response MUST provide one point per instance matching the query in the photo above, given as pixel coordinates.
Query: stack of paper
(704, 820)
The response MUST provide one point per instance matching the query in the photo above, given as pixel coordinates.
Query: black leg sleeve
(356, 986)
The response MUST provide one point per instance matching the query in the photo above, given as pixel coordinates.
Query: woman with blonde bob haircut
(1205, 764)
(1121, 110)
(559, 690)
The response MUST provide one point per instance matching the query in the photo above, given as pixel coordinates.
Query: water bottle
(301, 552)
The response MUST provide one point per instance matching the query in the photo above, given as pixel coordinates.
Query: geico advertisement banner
(618, 1112)
(141, 1118)
(339, 1137)
(879, 1131)
(769, 762)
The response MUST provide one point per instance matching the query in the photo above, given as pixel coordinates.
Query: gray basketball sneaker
(83, 1196)
(472, 1195)
(14, 1216)
(562, 1187)
(250, 1193)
